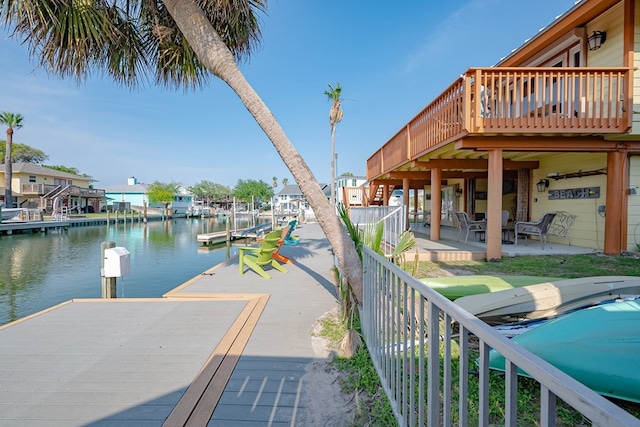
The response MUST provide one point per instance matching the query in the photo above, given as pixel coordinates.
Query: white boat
(548, 299)
(10, 213)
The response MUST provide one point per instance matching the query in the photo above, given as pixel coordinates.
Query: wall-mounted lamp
(596, 39)
(542, 185)
(458, 192)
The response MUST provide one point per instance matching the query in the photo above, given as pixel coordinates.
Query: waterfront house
(38, 187)
(134, 195)
(291, 200)
(554, 126)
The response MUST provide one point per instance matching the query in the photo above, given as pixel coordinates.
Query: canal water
(40, 270)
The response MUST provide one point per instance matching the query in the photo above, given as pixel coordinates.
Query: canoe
(459, 286)
(597, 346)
(548, 299)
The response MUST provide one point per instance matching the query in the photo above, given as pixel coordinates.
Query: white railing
(399, 315)
(393, 218)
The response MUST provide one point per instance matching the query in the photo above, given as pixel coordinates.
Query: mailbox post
(115, 263)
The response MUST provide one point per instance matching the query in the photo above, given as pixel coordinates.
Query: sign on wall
(575, 193)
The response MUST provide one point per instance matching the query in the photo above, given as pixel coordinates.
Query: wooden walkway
(221, 349)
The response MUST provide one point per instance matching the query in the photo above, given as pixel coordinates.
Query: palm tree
(275, 181)
(178, 42)
(335, 116)
(285, 181)
(12, 121)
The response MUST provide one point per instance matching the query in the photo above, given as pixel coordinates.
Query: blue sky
(390, 61)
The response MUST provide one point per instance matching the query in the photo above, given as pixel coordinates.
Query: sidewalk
(268, 385)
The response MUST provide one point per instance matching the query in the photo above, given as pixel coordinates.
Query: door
(446, 210)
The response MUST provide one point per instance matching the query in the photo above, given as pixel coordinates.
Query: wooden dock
(230, 235)
(15, 227)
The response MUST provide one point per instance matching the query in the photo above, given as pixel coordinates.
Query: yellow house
(38, 187)
(555, 126)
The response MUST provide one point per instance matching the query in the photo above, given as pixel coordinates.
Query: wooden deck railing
(516, 101)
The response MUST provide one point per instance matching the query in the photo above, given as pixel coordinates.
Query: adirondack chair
(289, 238)
(258, 258)
(276, 254)
(538, 228)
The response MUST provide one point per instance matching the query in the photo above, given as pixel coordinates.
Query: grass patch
(565, 266)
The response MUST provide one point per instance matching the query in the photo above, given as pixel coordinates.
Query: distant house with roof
(135, 195)
(291, 199)
(346, 181)
(37, 187)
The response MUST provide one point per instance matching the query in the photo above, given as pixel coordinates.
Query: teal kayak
(459, 286)
(598, 346)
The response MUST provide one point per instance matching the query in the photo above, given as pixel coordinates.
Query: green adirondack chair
(260, 257)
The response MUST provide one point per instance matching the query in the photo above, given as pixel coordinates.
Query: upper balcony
(514, 101)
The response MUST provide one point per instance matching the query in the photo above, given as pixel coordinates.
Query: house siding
(636, 73)
(633, 231)
(588, 229)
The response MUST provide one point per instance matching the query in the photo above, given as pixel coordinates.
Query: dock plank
(147, 353)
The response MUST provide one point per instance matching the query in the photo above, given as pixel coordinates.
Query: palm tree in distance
(12, 121)
(335, 116)
(275, 181)
(285, 181)
(177, 43)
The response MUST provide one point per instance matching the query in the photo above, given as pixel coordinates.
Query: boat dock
(230, 235)
(17, 227)
(221, 349)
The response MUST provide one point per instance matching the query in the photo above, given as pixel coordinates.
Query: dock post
(108, 283)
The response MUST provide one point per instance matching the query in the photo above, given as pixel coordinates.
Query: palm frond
(372, 236)
(406, 242)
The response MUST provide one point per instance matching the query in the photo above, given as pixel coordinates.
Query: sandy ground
(327, 405)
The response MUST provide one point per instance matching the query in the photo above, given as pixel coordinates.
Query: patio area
(448, 249)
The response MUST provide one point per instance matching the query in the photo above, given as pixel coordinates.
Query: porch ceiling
(468, 157)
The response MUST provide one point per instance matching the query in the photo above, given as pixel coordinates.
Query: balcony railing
(514, 101)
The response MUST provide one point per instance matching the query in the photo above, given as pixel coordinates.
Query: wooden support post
(108, 283)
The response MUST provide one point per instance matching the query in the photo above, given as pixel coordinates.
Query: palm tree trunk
(8, 172)
(333, 165)
(215, 55)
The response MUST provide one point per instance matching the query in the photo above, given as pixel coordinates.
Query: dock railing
(409, 332)
(393, 218)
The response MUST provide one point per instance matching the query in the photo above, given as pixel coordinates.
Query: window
(32, 178)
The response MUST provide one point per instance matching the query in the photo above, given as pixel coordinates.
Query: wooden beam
(552, 143)
(507, 164)
(419, 175)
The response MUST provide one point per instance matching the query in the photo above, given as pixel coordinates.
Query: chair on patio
(505, 218)
(538, 228)
(260, 257)
(466, 225)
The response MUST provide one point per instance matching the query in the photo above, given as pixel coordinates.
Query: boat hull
(459, 286)
(597, 346)
(10, 213)
(548, 299)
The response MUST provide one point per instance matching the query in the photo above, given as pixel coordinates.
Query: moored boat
(597, 346)
(10, 213)
(548, 299)
(459, 286)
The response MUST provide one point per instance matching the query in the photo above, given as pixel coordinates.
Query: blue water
(40, 270)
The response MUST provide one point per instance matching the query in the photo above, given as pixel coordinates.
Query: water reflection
(41, 270)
